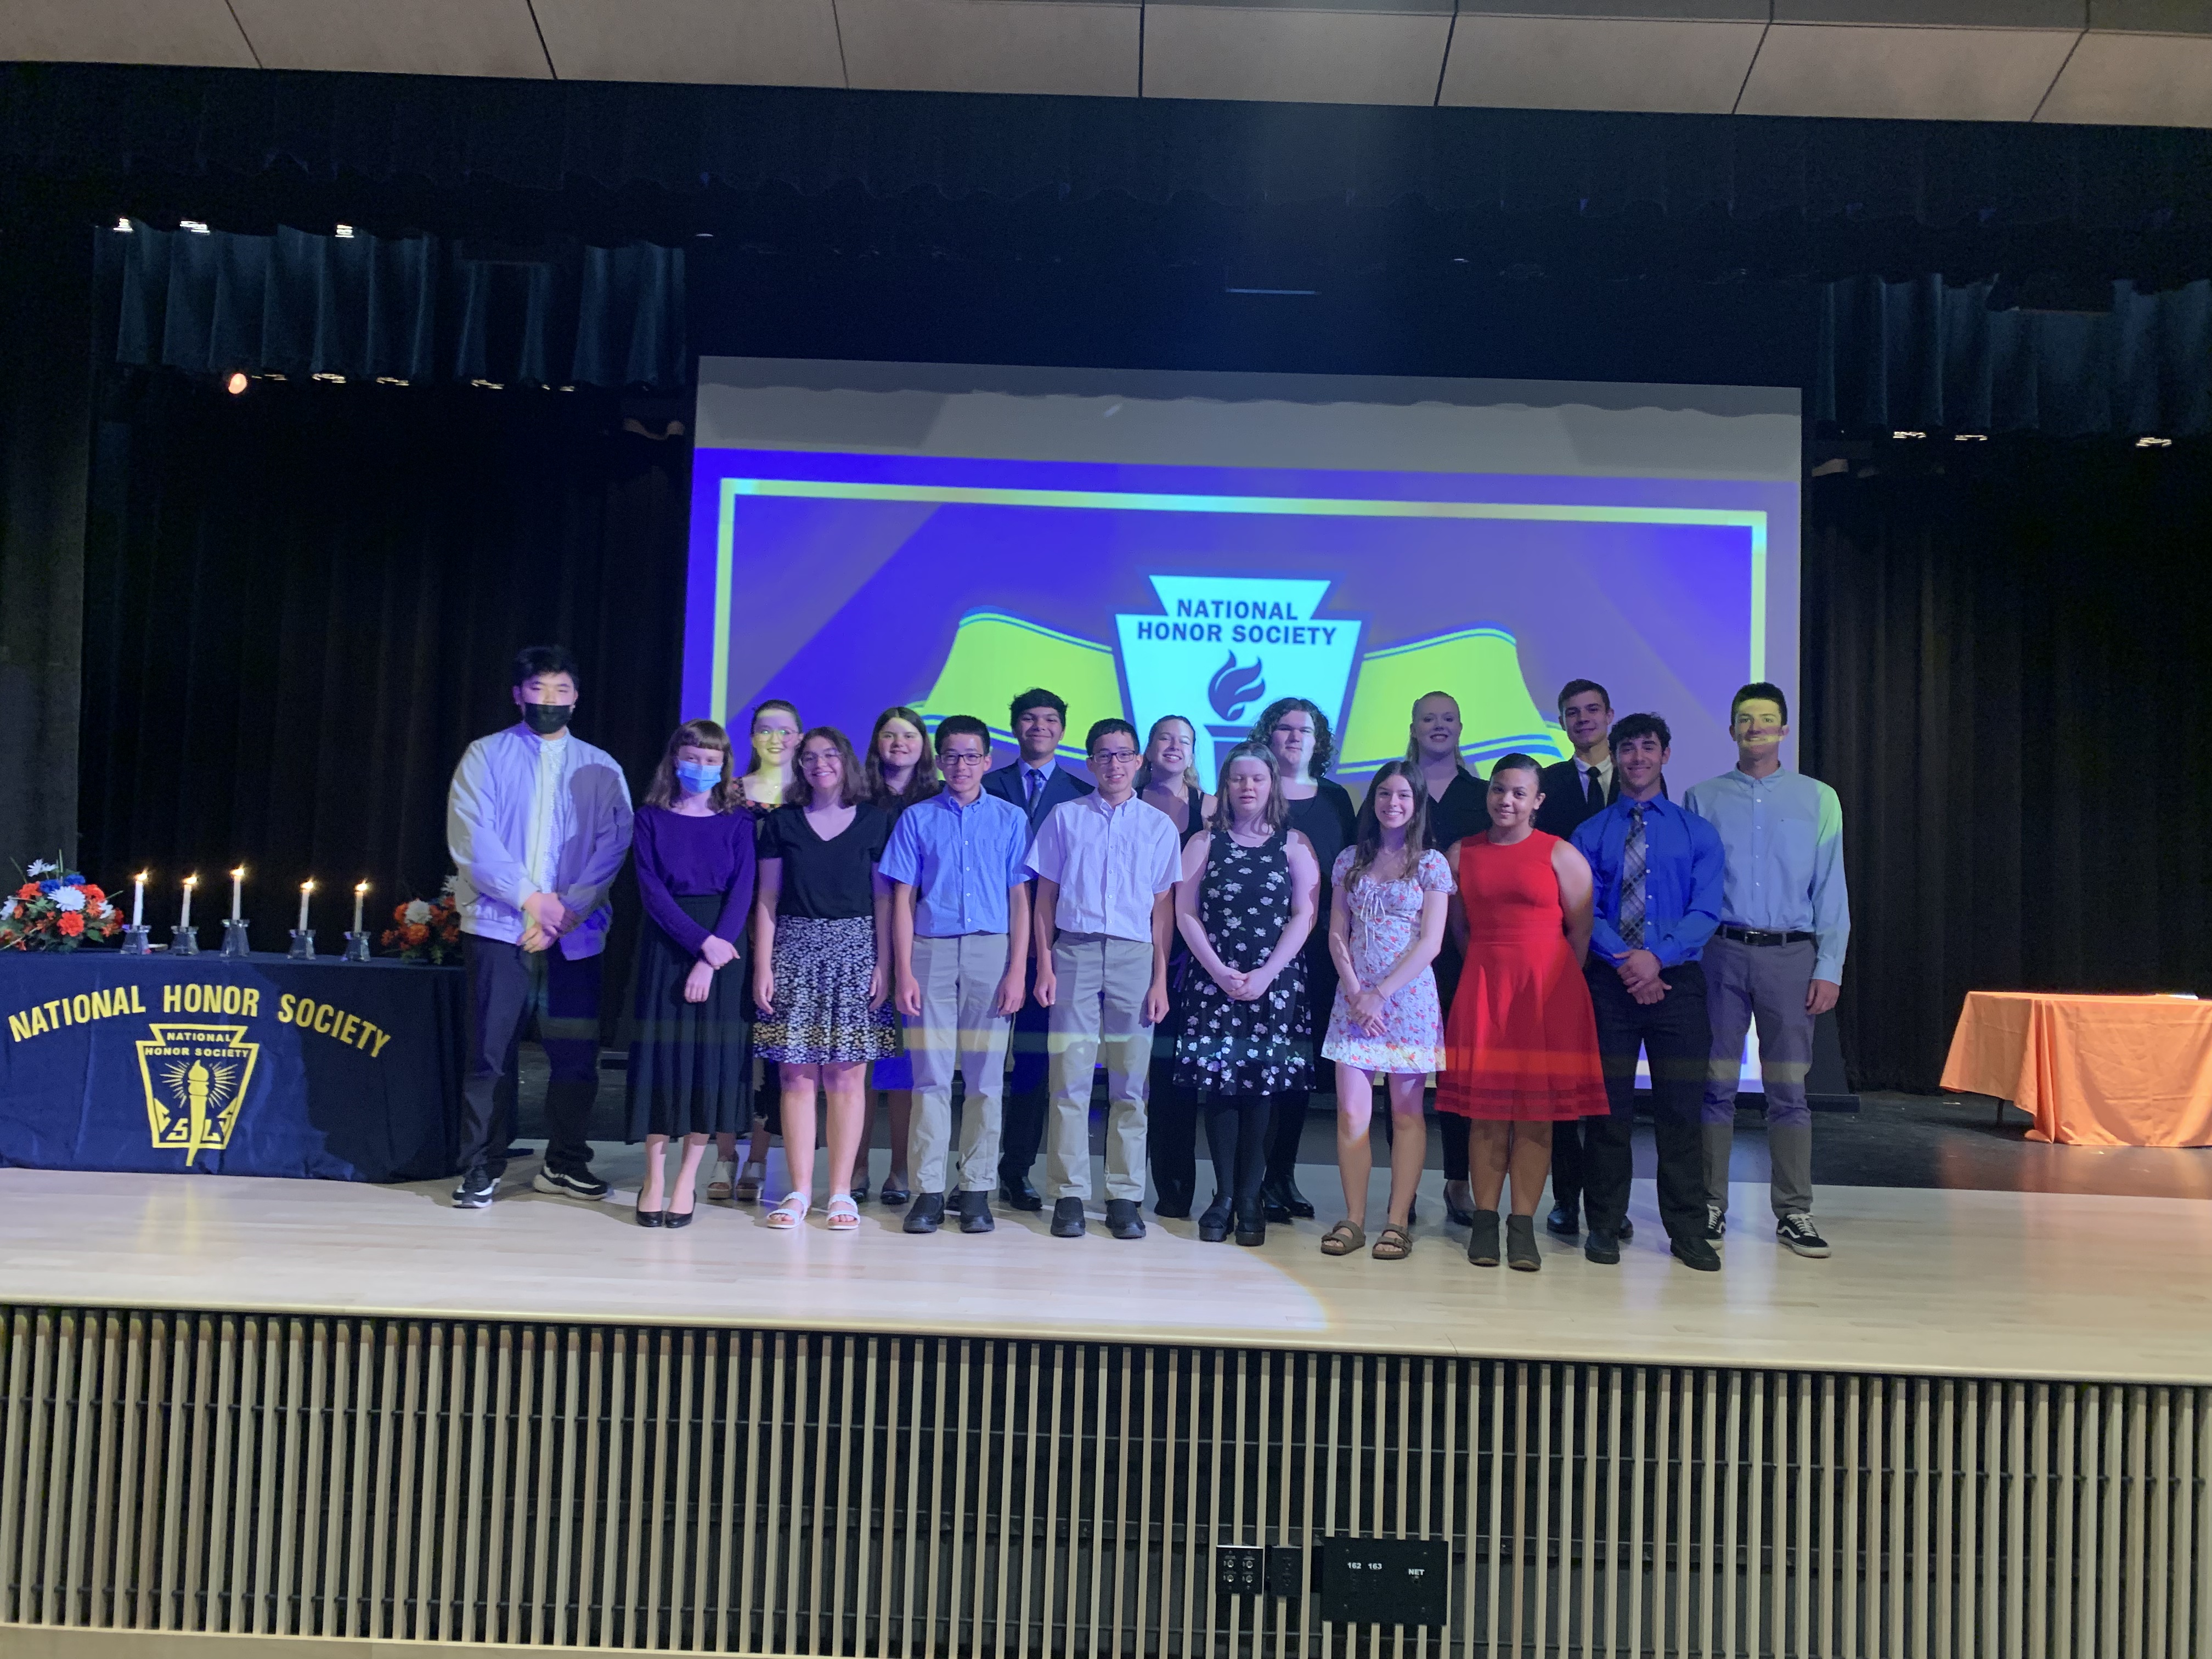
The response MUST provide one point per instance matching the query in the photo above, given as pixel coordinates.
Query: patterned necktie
(1036, 788)
(1631, 880)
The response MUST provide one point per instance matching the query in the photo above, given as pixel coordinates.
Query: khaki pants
(1098, 1017)
(958, 1028)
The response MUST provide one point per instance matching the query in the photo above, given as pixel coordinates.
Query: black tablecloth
(260, 1066)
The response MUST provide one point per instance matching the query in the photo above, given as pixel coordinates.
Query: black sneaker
(1604, 1248)
(1696, 1253)
(927, 1215)
(1123, 1219)
(475, 1189)
(1716, 1222)
(1798, 1232)
(1067, 1218)
(976, 1212)
(570, 1183)
(1563, 1221)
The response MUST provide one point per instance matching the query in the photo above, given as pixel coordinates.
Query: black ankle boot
(1482, 1239)
(1251, 1224)
(1213, 1225)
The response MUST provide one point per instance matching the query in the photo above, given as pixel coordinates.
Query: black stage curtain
(79, 119)
(1926, 354)
(2007, 678)
(406, 308)
(300, 606)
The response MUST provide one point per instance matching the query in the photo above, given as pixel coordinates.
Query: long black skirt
(690, 1063)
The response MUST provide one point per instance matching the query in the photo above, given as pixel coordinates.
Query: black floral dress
(1230, 1048)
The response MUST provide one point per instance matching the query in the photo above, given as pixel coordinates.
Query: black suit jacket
(1005, 783)
(1565, 807)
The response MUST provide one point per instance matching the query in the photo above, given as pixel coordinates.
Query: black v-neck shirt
(832, 880)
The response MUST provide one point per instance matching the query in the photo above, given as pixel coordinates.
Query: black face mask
(547, 718)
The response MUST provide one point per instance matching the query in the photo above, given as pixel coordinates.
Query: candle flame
(308, 885)
(361, 887)
(142, 875)
(191, 881)
(239, 874)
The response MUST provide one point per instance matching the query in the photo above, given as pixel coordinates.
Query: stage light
(1900, 434)
(490, 385)
(330, 379)
(390, 380)
(345, 233)
(2154, 443)
(1970, 437)
(237, 382)
(193, 225)
(124, 225)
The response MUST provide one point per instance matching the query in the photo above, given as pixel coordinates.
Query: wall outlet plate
(1385, 1581)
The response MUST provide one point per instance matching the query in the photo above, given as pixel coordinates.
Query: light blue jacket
(488, 832)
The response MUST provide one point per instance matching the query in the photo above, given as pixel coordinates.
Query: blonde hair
(1190, 778)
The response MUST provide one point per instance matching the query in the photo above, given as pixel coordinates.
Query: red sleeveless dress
(1521, 1044)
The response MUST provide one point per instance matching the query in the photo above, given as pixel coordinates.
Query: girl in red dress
(1521, 1046)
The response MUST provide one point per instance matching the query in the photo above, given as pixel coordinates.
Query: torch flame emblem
(1233, 689)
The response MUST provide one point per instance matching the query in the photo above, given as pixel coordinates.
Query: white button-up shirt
(1110, 864)
(545, 792)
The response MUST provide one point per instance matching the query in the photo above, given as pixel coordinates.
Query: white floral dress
(1408, 1035)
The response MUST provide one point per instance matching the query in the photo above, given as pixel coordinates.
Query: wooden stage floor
(1967, 1283)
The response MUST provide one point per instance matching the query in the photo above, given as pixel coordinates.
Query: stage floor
(1970, 1282)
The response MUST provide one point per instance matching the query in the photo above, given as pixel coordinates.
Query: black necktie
(1597, 790)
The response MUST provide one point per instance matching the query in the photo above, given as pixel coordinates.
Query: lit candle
(238, 893)
(359, 896)
(186, 919)
(306, 888)
(139, 899)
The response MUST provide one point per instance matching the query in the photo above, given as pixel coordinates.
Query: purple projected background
(847, 605)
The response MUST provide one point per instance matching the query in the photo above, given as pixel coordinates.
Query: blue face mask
(698, 779)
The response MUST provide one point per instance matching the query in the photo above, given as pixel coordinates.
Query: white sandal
(718, 1189)
(749, 1183)
(843, 1215)
(791, 1213)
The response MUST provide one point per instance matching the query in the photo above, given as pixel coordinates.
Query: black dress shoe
(1696, 1253)
(1604, 1248)
(679, 1218)
(1563, 1221)
(860, 1190)
(893, 1194)
(1252, 1226)
(1017, 1193)
(1067, 1218)
(653, 1218)
(1172, 1202)
(1123, 1219)
(1213, 1225)
(926, 1214)
(1627, 1230)
(1460, 1215)
(976, 1212)
(1281, 1201)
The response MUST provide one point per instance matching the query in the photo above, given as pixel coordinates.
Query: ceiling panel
(1904, 74)
(396, 37)
(1592, 63)
(778, 43)
(200, 32)
(2149, 80)
(1293, 57)
(992, 45)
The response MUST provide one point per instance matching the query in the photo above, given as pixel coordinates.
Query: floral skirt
(822, 1017)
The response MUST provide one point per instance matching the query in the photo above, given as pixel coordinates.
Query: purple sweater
(679, 857)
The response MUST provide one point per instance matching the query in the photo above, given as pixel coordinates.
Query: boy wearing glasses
(1106, 867)
(960, 935)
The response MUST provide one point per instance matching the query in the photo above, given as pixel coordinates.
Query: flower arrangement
(425, 930)
(55, 909)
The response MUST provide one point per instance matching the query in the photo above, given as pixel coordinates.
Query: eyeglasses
(962, 760)
(1112, 756)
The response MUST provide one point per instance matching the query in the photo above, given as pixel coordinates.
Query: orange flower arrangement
(426, 931)
(56, 910)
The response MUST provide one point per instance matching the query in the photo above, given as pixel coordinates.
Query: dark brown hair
(922, 786)
(849, 792)
(1367, 833)
(694, 734)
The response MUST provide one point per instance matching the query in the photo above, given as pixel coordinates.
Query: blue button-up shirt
(960, 861)
(1783, 835)
(1682, 861)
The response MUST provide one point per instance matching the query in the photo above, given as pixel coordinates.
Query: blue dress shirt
(1682, 865)
(960, 861)
(1783, 835)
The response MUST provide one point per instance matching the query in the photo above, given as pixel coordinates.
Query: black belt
(1759, 936)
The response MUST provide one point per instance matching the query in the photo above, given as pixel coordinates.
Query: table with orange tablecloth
(2092, 1070)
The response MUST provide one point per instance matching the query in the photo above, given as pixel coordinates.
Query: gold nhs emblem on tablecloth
(196, 1078)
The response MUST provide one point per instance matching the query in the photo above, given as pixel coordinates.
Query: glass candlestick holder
(184, 942)
(356, 949)
(303, 944)
(138, 941)
(234, 942)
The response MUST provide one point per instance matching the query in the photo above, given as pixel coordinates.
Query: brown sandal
(1395, 1244)
(1343, 1238)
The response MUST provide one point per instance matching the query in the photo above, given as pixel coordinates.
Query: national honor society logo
(1223, 646)
(196, 1076)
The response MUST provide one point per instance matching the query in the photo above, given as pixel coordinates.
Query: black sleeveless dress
(1225, 1048)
